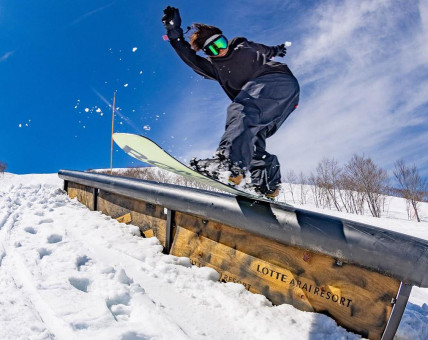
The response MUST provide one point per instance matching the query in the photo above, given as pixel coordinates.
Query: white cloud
(90, 13)
(363, 72)
(6, 56)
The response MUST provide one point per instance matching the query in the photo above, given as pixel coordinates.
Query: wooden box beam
(357, 298)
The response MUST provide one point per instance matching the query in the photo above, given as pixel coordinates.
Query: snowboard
(147, 151)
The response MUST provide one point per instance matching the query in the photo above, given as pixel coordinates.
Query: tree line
(358, 185)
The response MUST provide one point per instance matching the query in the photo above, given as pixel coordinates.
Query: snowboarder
(263, 93)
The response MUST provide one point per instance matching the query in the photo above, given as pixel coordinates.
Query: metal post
(112, 131)
(397, 311)
(169, 229)
(95, 198)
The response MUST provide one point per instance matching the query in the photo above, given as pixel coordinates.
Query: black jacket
(244, 61)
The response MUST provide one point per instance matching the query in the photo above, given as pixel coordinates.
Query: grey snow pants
(255, 114)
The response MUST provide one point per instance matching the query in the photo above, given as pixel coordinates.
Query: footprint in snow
(58, 204)
(81, 261)
(54, 238)
(46, 220)
(2, 256)
(78, 326)
(119, 305)
(120, 311)
(30, 230)
(80, 283)
(123, 278)
(43, 252)
(134, 336)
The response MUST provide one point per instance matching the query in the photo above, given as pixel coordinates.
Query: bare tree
(291, 180)
(3, 167)
(368, 179)
(412, 186)
(352, 198)
(303, 188)
(322, 181)
(316, 192)
(329, 179)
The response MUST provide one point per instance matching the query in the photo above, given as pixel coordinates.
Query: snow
(70, 273)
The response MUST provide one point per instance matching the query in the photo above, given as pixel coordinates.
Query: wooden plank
(355, 297)
(125, 218)
(148, 233)
(144, 215)
(83, 193)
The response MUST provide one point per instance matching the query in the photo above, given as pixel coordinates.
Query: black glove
(281, 51)
(171, 18)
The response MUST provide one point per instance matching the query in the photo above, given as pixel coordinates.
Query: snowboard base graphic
(147, 151)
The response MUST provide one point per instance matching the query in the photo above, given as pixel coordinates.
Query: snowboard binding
(219, 168)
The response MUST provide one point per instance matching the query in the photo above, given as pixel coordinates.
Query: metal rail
(401, 256)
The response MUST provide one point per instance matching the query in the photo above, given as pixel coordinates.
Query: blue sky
(362, 66)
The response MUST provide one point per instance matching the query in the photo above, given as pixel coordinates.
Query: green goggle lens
(220, 42)
(214, 47)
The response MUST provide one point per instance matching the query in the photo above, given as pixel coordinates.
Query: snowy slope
(69, 273)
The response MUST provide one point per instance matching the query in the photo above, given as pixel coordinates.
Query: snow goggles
(214, 44)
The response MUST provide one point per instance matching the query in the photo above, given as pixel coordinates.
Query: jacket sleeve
(268, 51)
(199, 64)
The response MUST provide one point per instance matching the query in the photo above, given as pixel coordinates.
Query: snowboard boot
(270, 193)
(236, 174)
(236, 180)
